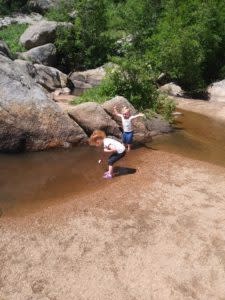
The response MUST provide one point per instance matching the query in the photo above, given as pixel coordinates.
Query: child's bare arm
(116, 112)
(138, 115)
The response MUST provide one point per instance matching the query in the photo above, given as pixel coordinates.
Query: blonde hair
(96, 136)
(125, 110)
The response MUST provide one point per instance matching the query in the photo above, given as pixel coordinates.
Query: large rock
(45, 55)
(28, 120)
(92, 77)
(50, 78)
(142, 133)
(157, 125)
(26, 67)
(172, 89)
(91, 116)
(216, 91)
(4, 49)
(39, 34)
(87, 79)
(42, 5)
(80, 87)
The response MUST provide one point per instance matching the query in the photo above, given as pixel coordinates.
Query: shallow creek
(32, 181)
(196, 136)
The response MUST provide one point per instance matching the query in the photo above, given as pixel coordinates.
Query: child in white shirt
(117, 150)
(127, 125)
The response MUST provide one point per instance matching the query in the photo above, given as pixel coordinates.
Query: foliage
(61, 12)
(139, 19)
(133, 79)
(11, 35)
(164, 106)
(86, 44)
(184, 39)
(9, 6)
(189, 42)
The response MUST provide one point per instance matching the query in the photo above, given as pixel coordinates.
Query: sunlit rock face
(29, 121)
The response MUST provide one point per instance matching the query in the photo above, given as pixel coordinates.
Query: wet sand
(156, 234)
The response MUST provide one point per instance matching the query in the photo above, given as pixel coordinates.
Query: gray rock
(172, 89)
(28, 119)
(39, 34)
(4, 49)
(142, 133)
(50, 78)
(19, 18)
(45, 55)
(42, 5)
(216, 91)
(80, 87)
(157, 125)
(91, 116)
(26, 67)
(86, 79)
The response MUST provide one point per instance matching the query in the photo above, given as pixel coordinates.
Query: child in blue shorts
(127, 125)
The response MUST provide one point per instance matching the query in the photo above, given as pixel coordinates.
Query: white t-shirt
(127, 125)
(120, 148)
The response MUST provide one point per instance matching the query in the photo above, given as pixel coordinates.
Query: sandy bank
(155, 234)
(215, 110)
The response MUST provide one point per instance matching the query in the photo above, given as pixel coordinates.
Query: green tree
(9, 6)
(86, 44)
(189, 41)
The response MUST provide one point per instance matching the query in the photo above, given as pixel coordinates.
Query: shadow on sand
(120, 171)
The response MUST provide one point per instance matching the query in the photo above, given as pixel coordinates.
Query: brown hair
(96, 136)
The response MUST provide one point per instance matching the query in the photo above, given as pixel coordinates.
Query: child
(115, 148)
(127, 125)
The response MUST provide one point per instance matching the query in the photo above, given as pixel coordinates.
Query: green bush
(61, 12)
(11, 35)
(9, 6)
(133, 79)
(86, 44)
(189, 42)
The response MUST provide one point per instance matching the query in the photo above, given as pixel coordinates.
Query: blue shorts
(128, 138)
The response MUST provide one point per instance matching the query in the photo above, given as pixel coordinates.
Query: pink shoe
(107, 176)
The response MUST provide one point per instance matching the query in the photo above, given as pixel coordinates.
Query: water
(196, 136)
(33, 181)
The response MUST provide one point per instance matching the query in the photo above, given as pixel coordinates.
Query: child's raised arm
(116, 112)
(136, 116)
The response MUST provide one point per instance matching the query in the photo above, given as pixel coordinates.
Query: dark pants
(115, 157)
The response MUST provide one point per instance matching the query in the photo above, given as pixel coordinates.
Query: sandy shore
(156, 234)
(212, 109)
